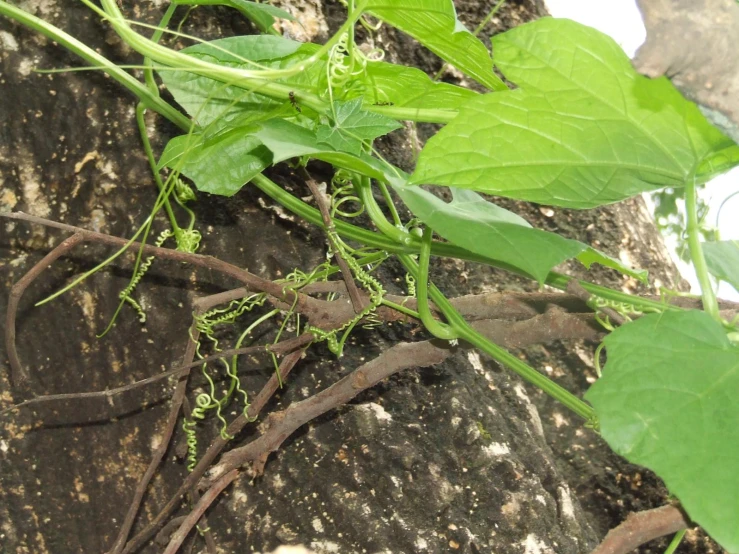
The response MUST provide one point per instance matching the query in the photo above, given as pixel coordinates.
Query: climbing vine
(577, 131)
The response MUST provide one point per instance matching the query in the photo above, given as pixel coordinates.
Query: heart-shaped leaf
(584, 129)
(668, 401)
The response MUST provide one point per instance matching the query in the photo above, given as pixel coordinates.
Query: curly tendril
(125, 294)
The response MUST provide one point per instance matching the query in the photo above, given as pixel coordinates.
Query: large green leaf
(668, 400)
(434, 24)
(218, 165)
(481, 227)
(722, 259)
(584, 129)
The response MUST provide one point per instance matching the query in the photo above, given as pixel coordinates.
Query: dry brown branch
(280, 349)
(192, 518)
(194, 495)
(174, 414)
(311, 307)
(351, 287)
(213, 451)
(18, 374)
(642, 527)
(282, 424)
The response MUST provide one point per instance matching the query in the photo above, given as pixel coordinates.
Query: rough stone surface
(457, 458)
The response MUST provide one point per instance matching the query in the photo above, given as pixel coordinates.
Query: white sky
(622, 21)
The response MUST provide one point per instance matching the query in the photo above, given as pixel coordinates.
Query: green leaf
(409, 87)
(667, 401)
(352, 126)
(208, 101)
(218, 165)
(262, 15)
(722, 259)
(718, 164)
(583, 130)
(434, 24)
(591, 256)
(479, 226)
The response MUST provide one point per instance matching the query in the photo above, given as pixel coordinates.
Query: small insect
(294, 102)
(383, 104)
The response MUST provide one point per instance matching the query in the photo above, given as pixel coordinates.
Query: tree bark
(460, 456)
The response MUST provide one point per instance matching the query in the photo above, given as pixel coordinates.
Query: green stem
(439, 330)
(400, 308)
(390, 204)
(156, 37)
(675, 542)
(399, 242)
(710, 305)
(140, 111)
(499, 354)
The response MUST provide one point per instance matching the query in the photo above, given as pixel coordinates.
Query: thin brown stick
(214, 450)
(194, 495)
(642, 527)
(18, 374)
(253, 282)
(351, 287)
(174, 414)
(178, 537)
(277, 348)
(282, 424)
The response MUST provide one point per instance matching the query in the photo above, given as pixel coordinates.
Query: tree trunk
(461, 456)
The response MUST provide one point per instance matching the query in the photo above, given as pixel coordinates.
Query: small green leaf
(591, 256)
(722, 259)
(207, 100)
(218, 165)
(434, 24)
(583, 130)
(718, 164)
(667, 401)
(262, 15)
(353, 126)
(409, 87)
(479, 226)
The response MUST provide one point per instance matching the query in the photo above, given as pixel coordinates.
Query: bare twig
(305, 304)
(17, 372)
(351, 287)
(213, 451)
(642, 527)
(174, 414)
(282, 424)
(279, 348)
(192, 518)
